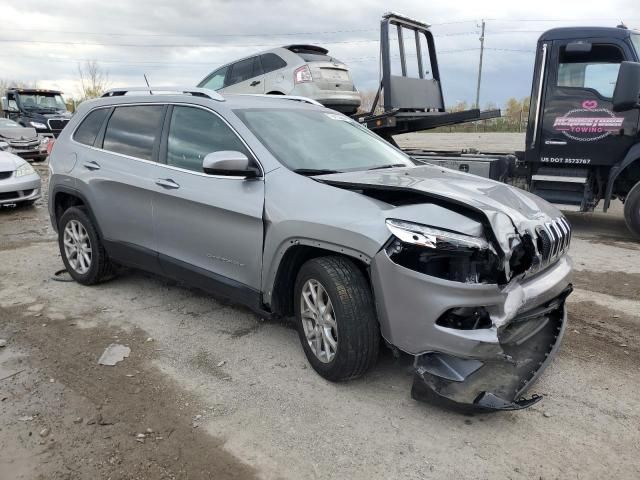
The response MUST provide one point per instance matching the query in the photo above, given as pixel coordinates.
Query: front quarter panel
(300, 210)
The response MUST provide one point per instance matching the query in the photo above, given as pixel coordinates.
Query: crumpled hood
(504, 206)
(18, 133)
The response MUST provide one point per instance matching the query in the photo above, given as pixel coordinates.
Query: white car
(19, 182)
(299, 70)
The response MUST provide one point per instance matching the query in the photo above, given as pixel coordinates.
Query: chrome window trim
(543, 69)
(171, 167)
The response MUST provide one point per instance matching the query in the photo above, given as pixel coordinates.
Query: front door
(208, 228)
(579, 127)
(245, 76)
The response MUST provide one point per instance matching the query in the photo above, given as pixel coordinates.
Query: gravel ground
(224, 394)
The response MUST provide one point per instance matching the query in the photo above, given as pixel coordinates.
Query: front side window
(244, 70)
(90, 126)
(314, 140)
(216, 79)
(596, 70)
(193, 133)
(133, 130)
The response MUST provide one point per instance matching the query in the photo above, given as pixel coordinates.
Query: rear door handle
(91, 165)
(555, 142)
(167, 183)
(254, 83)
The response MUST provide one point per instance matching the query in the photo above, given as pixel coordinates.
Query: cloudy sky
(177, 42)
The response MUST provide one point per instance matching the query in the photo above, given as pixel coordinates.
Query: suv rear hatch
(328, 72)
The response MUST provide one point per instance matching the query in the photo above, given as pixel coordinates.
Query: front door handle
(167, 183)
(555, 142)
(254, 83)
(91, 165)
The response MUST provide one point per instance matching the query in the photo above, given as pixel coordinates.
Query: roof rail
(196, 92)
(295, 98)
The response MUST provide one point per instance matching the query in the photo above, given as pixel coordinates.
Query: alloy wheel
(77, 247)
(319, 321)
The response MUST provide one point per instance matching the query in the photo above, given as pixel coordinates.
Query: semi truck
(582, 141)
(43, 110)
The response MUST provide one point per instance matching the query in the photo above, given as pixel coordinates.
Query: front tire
(632, 210)
(335, 318)
(82, 252)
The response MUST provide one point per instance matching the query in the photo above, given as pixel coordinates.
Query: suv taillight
(302, 74)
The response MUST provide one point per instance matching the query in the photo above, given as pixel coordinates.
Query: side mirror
(8, 107)
(229, 163)
(627, 92)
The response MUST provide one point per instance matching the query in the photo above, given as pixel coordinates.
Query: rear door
(579, 127)
(116, 175)
(245, 76)
(208, 228)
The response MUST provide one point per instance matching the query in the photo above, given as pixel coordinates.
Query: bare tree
(94, 80)
(367, 98)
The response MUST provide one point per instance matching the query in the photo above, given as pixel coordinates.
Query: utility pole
(480, 65)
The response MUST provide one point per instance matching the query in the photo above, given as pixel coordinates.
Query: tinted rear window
(90, 126)
(133, 130)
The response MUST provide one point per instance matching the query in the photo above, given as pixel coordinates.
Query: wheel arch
(630, 165)
(290, 258)
(64, 198)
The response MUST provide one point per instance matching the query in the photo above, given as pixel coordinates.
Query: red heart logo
(589, 104)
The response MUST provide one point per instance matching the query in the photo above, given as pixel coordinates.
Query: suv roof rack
(295, 98)
(196, 92)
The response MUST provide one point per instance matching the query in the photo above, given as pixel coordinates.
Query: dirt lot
(211, 391)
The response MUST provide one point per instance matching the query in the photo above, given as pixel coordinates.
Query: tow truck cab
(44, 110)
(580, 147)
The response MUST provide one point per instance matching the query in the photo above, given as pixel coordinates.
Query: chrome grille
(553, 240)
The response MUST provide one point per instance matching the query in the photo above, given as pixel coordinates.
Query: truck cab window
(596, 70)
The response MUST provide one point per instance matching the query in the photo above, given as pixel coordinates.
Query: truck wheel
(82, 252)
(336, 319)
(632, 210)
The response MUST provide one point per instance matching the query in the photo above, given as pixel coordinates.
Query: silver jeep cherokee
(296, 210)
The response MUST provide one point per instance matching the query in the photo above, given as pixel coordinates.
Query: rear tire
(632, 210)
(82, 253)
(351, 348)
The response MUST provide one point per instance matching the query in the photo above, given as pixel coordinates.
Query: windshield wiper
(393, 165)
(314, 171)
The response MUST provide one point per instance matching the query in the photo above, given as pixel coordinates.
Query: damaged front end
(498, 317)
(529, 341)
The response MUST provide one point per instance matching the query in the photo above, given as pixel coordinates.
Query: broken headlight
(443, 254)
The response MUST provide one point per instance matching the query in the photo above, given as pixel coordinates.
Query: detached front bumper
(486, 368)
(529, 342)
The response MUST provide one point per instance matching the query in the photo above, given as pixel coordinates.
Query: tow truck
(582, 140)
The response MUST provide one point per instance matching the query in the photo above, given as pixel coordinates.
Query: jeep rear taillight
(302, 74)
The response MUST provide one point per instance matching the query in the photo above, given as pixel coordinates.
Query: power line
(196, 35)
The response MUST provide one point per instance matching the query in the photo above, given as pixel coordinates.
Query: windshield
(42, 101)
(636, 43)
(312, 140)
(6, 123)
